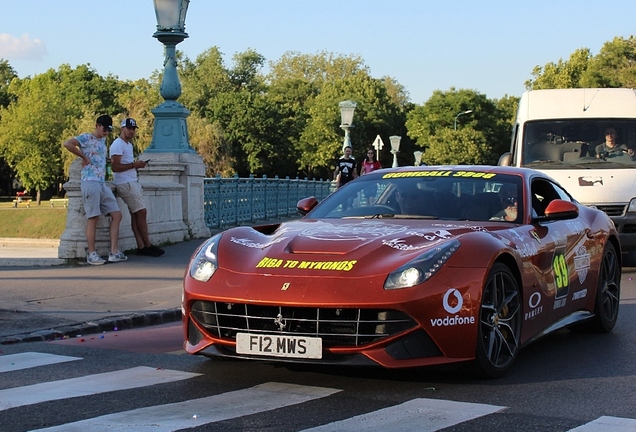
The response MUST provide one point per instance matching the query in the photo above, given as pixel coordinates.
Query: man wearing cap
(128, 188)
(97, 198)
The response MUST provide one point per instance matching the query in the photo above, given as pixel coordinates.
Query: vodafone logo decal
(460, 302)
(452, 303)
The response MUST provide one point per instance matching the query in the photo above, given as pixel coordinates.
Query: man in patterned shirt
(97, 197)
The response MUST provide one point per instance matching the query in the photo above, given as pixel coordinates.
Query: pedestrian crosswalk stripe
(417, 415)
(608, 424)
(198, 412)
(25, 360)
(141, 376)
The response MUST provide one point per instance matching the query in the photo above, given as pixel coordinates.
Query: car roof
(526, 173)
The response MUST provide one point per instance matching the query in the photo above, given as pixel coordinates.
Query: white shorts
(97, 199)
(132, 194)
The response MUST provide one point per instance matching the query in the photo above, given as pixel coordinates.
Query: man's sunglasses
(107, 128)
(510, 201)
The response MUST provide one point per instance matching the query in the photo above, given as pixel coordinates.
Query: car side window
(543, 192)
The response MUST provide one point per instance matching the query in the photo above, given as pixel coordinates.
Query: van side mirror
(505, 159)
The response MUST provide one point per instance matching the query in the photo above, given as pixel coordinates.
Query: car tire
(500, 317)
(607, 292)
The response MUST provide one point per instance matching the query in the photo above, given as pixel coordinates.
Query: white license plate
(279, 345)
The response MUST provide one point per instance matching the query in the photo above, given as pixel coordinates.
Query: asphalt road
(112, 363)
(40, 302)
(566, 381)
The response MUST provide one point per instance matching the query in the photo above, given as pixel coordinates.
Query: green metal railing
(238, 201)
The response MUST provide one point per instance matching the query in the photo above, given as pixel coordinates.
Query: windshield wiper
(373, 216)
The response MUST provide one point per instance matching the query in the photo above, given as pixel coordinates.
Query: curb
(104, 325)
(32, 262)
(29, 242)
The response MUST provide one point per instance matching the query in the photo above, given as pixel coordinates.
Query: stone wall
(173, 192)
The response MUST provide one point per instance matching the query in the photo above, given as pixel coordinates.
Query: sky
(490, 46)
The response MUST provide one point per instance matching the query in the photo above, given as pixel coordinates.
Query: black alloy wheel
(500, 319)
(607, 292)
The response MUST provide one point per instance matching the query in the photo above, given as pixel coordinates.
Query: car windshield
(590, 143)
(427, 194)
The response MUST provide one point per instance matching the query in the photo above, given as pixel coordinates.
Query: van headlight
(420, 269)
(205, 262)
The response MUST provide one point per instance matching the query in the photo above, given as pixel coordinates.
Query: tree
(463, 146)
(425, 123)
(43, 109)
(7, 74)
(563, 74)
(27, 129)
(613, 66)
(376, 114)
(138, 98)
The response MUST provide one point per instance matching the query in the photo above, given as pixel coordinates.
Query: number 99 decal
(561, 275)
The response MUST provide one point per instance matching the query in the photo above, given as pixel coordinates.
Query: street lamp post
(346, 120)
(418, 157)
(395, 148)
(460, 114)
(170, 132)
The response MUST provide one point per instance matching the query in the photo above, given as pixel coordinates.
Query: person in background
(128, 187)
(368, 165)
(345, 168)
(97, 198)
(610, 147)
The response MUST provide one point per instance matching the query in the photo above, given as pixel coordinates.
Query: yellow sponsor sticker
(268, 262)
(471, 174)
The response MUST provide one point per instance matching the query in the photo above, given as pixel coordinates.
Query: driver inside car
(509, 204)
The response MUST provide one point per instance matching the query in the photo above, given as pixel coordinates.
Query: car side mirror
(561, 210)
(305, 205)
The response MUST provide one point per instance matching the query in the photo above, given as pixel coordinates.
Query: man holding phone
(128, 188)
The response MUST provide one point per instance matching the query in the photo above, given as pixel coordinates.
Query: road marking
(608, 424)
(141, 376)
(14, 362)
(421, 415)
(198, 412)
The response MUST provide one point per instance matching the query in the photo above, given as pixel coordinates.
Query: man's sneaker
(155, 251)
(116, 257)
(152, 251)
(94, 259)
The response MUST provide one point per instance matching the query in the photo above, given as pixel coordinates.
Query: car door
(565, 257)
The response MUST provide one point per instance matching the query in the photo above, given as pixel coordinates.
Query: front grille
(611, 210)
(340, 327)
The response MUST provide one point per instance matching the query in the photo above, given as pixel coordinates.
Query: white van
(560, 132)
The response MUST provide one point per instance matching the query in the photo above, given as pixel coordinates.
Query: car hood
(357, 247)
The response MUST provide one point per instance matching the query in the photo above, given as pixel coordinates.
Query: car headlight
(421, 268)
(632, 206)
(205, 263)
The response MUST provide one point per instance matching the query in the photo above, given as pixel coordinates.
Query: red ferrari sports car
(408, 267)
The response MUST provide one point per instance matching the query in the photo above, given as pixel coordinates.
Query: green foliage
(43, 109)
(285, 122)
(463, 146)
(7, 73)
(426, 124)
(613, 66)
(563, 74)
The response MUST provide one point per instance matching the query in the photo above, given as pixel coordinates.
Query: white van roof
(577, 103)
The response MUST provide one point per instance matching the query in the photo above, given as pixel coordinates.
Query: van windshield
(590, 143)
